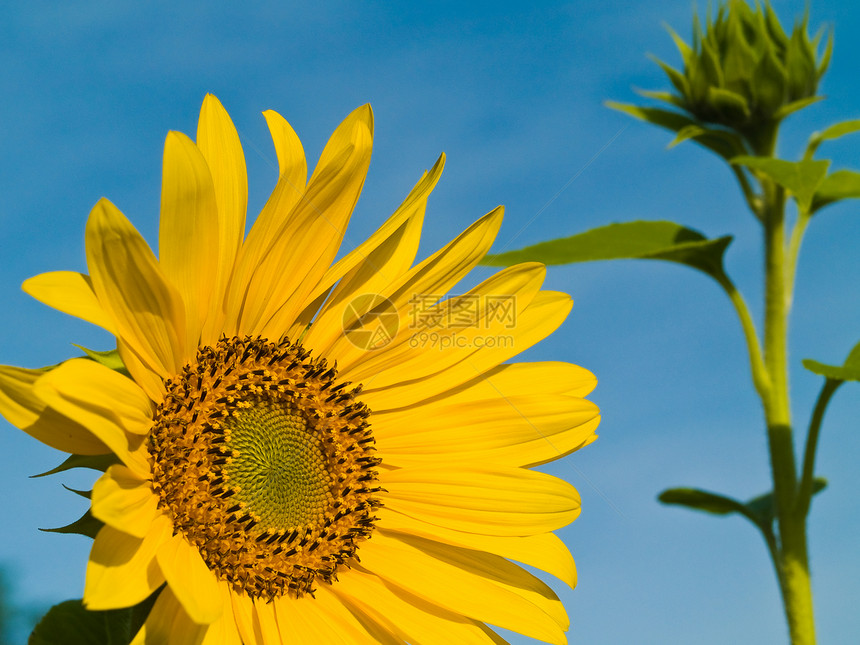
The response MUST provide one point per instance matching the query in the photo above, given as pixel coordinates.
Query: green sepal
(69, 623)
(109, 359)
(839, 185)
(678, 80)
(86, 494)
(848, 371)
(802, 178)
(95, 462)
(724, 143)
(666, 97)
(630, 240)
(790, 108)
(85, 525)
(664, 118)
(730, 104)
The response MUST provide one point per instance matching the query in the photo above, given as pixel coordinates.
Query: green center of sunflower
(264, 461)
(280, 471)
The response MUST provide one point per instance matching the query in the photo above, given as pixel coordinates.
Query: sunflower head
(303, 449)
(265, 462)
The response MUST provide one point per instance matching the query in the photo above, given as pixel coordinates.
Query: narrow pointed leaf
(794, 106)
(630, 240)
(95, 462)
(86, 494)
(84, 525)
(701, 500)
(664, 118)
(839, 185)
(722, 142)
(109, 359)
(835, 131)
(848, 371)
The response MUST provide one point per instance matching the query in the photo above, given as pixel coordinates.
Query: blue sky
(512, 93)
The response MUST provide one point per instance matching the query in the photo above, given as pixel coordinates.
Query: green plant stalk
(793, 562)
(804, 495)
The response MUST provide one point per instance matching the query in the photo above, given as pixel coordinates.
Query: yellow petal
(414, 202)
(550, 377)
(168, 622)
(105, 403)
(187, 575)
(291, 157)
(122, 570)
(422, 348)
(282, 277)
(324, 619)
(410, 617)
(433, 276)
(150, 382)
(498, 501)
(544, 551)
(126, 277)
(502, 430)
(72, 293)
(26, 411)
(451, 583)
(246, 624)
(541, 317)
(224, 631)
(124, 501)
(266, 624)
(189, 235)
(391, 258)
(374, 264)
(219, 143)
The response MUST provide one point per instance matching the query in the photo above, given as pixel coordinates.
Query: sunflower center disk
(280, 472)
(264, 461)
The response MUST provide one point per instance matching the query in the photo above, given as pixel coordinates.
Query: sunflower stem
(793, 563)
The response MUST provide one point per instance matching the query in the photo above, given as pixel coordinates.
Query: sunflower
(310, 451)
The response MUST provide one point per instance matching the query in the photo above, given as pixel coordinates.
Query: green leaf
(701, 500)
(69, 623)
(835, 131)
(630, 240)
(802, 178)
(839, 185)
(85, 525)
(759, 510)
(95, 462)
(848, 371)
(109, 359)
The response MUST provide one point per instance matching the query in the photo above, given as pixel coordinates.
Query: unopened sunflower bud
(744, 73)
